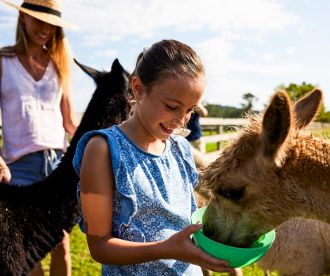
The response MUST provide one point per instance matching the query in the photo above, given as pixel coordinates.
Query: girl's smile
(165, 106)
(165, 129)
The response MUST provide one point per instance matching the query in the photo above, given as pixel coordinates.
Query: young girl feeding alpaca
(36, 105)
(137, 178)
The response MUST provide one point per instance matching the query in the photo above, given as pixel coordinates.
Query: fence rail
(218, 125)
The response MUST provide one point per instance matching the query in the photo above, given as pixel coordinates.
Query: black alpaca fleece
(32, 217)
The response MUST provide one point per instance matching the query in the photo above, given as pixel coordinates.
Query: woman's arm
(96, 194)
(0, 69)
(5, 175)
(68, 114)
(201, 110)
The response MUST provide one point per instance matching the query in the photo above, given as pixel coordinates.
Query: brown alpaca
(271, 173)
(301, 247)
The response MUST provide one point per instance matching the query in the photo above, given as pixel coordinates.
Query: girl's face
(38, 32)
(167, 105)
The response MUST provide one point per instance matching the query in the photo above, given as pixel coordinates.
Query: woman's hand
(180, 247)
(5, 175)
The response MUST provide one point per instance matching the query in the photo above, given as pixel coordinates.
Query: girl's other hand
(5, 175)
(180, 247)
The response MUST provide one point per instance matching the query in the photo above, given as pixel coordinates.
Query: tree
(250, 99)
(221, 111)
(296, 91)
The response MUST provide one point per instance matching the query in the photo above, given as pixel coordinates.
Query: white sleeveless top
(31, 114)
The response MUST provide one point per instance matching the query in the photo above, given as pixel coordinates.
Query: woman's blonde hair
(57, 49)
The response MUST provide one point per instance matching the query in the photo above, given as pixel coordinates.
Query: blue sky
(246, 45)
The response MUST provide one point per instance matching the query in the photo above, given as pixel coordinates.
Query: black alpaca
(32, 217)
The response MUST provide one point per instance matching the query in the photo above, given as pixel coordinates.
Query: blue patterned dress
(153, 197)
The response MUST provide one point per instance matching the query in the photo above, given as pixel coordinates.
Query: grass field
(82, 263)
(324, 133)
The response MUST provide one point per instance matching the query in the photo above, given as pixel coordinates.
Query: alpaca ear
(116, 66)
(306, 108)
(89, 71)
(276, 125)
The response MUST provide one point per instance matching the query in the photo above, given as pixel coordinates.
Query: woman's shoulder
(8, 51)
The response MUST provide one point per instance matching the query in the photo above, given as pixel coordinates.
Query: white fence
(218, 125)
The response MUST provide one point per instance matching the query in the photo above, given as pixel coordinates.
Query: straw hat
(48, 11)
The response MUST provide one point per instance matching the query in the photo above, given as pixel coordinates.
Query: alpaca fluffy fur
(271, 174)
(301, 247)
(32, 217)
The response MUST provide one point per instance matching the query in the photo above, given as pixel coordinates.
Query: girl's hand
(5, 174)
(180, 247)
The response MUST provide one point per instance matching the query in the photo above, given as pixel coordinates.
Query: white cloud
(143, 18)
(8, 17)
(290, 51)
(268, 57)
(277, 68)
(228, 77)
(106, 53)
(83, 89)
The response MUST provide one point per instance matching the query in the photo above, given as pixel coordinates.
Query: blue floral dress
(153, 197)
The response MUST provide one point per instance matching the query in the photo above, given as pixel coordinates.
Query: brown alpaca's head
(249, 182)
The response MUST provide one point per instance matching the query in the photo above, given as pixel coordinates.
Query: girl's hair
(164, 59)
(57, 49)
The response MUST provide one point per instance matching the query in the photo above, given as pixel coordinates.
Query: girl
(36, 104)
(137, 179)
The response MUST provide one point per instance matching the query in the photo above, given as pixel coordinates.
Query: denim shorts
(34, 166)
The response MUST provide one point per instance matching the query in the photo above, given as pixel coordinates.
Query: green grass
(209, 147)
(323, 133)
(82, 263)
(251, 270)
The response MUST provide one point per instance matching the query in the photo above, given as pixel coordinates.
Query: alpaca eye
(232, 194)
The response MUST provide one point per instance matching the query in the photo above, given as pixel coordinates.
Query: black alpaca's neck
(105, 115)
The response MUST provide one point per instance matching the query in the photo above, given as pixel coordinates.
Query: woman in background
(36, 104)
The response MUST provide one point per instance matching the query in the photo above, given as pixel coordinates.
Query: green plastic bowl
(236, 256)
